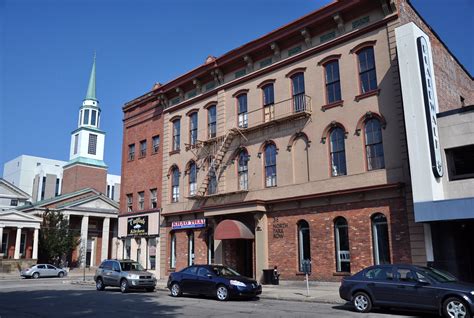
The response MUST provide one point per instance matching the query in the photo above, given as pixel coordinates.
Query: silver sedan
(43, 270)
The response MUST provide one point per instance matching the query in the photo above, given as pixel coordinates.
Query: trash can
(267, 276)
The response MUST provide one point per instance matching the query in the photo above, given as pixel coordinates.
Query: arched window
(374, 145)
(190, 248)
(242, 110)
(94, 118)
(338, 152)
(341, 236)
(86, 117)
(212, 121)
(380, 239)
(270, 166)
(192, 178)
(173, 251)
(243, 170)
(367, 75)
(176, 134)
(175, 184)
(304, 244)
(193, 128)
(268, 102)
(210, 246)
(297, 85)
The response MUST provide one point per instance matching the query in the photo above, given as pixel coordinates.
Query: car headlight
(472, 293)
(133, 276)
(237, 283)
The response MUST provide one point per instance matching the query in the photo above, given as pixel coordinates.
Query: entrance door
(244, 257)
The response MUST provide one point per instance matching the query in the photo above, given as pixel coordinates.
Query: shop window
(304, 244)
(333, 82)
(175, 184)
(152, 253)
(141, 200)
(210, 246)
(268, 102)
(193, 128)
(242, 110)
(374, 145)
(212, 121)
(243, 170)
(173, 251)
(460, 162)
(127, 248)
(367, 75)
(270, 166)
(341, 236)
(192, 178)
(129, 202)
(297, 84)
(338, 152)
(190, 248)
(380, 239)
(176, 135)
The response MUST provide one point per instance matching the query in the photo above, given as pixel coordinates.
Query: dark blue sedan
(212, 280)
(409, 287)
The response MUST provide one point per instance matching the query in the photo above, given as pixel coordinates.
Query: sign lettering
(190, 224)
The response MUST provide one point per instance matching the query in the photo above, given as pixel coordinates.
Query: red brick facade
(77, 177)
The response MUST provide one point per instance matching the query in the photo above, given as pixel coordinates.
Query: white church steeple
(87, 141)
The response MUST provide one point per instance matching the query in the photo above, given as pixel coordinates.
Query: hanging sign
(137, 225)
(190, 224)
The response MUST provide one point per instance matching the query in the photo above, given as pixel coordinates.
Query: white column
(105, 238)
(1, 238)
(84, 235)
(35, 245)
(17, 243)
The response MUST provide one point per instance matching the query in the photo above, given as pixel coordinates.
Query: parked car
(213, 280)
(125, 274)
(409, 287)
(43, 270)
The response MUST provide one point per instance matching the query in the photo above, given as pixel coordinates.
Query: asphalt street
(59, 298)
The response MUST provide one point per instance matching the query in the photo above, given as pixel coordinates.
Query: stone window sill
(374, 92)
(338, 103)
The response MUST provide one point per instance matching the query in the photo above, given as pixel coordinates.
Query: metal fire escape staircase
(216, 161)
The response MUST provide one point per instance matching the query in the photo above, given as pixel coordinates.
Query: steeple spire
(91, 88)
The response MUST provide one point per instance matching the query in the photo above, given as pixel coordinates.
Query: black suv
(125, 274)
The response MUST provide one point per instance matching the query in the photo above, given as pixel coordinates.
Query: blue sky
(47, 48)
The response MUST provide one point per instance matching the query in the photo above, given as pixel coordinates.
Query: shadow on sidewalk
(347, 307)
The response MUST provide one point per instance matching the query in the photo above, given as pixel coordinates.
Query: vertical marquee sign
(424, 58)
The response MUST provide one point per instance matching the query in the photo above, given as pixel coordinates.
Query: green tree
(56, 239)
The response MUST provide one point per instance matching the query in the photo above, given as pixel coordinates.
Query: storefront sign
(424, 58)
(190, 224)
(137, 226)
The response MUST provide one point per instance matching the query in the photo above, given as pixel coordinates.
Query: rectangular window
(93, 117)
(174, 101)
(141, 200)
(367, 75)
(108, 191)
(266, 62)
(153, 199)
(192, 93)
(131, 152)
(86, 117)
(242, 110)
(333, 82)
(156, 144)
(193, 129)
(299, 101)
(13, 202)
(142, 148)
(360, 22)
(210, 85)
(112, 195)
(326, 37)
(460, 162)
(43, 188)
(212, 121)
(129, 202)
(268, 102)
(92, 148)
(240, 73)
(295, 50)
(76, 143)
(176, 134)
(152, 253)
(56, 190)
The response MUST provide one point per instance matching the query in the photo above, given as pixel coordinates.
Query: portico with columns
(19, 233)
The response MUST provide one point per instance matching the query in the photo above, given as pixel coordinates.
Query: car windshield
(131, 266)
(438, 275)
(224, 271)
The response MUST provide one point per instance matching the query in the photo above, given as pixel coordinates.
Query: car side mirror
(423, 281)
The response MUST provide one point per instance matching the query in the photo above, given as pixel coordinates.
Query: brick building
(140, 203)
(292, 147)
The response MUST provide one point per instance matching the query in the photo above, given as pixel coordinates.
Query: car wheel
(150, 289)
(455, 307)
(99, 284)
(175, 290)
(61, 274)
(362, 302)
(124, 286)
(35, 275)
(222, 293)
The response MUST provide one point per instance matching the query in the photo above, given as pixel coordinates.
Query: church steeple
(91, 88)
